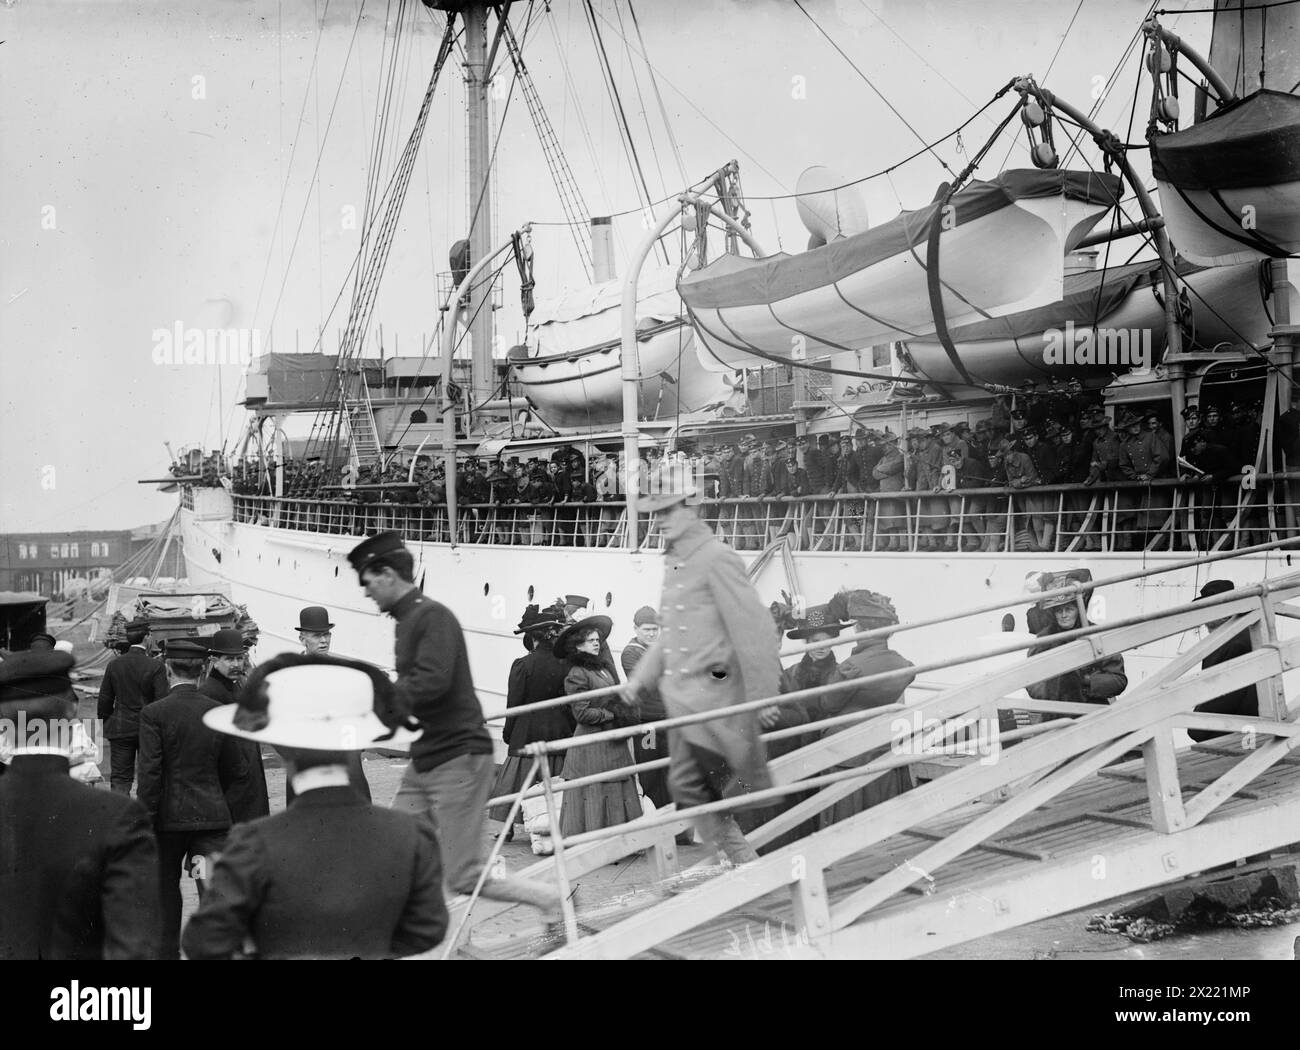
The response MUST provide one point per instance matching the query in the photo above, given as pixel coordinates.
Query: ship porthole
(530, 592)
(336, 571)
(487, 589)
(609, 599)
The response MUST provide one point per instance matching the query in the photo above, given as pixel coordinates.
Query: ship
(931, 317)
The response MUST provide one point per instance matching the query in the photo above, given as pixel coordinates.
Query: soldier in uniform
(891, 520)
(1105, 458)
(933, 531)
(80, 866)
(1074, 454)
(1021, 474)
(1042, 506)
(716, 648)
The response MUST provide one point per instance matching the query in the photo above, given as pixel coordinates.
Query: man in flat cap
(331, 877)
(449, 778)
(78, 867)
(186, 774)
(131, 680)
(717, 647)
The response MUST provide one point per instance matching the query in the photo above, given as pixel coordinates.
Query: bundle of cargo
(175, 615)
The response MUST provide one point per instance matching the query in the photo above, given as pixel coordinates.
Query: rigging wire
(629, 145)
(803, 10)
(645, 113)
(654, 83)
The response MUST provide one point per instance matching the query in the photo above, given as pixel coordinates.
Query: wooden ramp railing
(1033, 767)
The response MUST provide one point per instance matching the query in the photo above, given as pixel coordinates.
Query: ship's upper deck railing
(1165, 514)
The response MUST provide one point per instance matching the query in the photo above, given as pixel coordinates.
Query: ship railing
(1023, 768)
(1166, 514)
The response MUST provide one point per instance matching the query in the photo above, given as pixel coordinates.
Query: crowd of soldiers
(1032, 438)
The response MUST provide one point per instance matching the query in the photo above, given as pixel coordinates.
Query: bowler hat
(227, 642)
(374, 548)
(644, 615)
(603, 624)
(317, 702)
(314, 618)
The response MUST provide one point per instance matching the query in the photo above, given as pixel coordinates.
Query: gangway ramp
(1060, 817)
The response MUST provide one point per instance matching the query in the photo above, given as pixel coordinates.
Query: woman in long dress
(609, 802)
(871, 656)
(537, 676)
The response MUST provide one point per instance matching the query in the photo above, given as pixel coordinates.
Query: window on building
(72, 551)
(63, 550)
(94, 550)
(103, 549)
(54, 550)
(22, 550)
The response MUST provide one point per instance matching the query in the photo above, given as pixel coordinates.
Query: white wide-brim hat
(314, 706)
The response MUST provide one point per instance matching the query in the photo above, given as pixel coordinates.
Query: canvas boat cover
(1254, 141)
(733, 281)
(1090, 298)
(592, 315)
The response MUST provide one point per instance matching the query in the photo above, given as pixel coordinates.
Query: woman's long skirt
(602, 805)
(510, 778)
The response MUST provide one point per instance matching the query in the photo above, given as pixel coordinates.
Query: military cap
(1190, 410)
(1018, 414)
(846, 438)
(1151, 413)
(184, 649)
(864, 435)
(889, 436)
(644, 615)
(781, 446)
(1213, 410)
(748, 442)
(1129, 419)
(1030, 431)
(983, 424)
(579, 601)
(36, 683)
(803, 439)
(375, 547)
(939, 429)
(1052, 427)
(227, 642)
(953, 453)
(823, 439)
(1028, 384)
(961, 428)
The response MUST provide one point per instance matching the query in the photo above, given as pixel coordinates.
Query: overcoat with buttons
(717, 646)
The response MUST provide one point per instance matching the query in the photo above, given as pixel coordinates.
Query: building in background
(52, 563)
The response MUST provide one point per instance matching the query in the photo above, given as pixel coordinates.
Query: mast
(478, 147)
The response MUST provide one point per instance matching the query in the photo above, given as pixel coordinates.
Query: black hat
(817, 620)
(314, 618)
(1018, 414)
(378, 546)
(42, 637)
(37, 684)
(1190, 410)
(227, 642)
(1214, 587)
(534, 619)
(184, 649)
(577, 600)
(602, 624)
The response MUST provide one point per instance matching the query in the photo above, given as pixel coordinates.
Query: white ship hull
(276, 572)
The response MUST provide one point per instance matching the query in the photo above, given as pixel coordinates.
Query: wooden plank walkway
(1092, 843)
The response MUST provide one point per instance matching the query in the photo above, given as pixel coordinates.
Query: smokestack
(602, 249)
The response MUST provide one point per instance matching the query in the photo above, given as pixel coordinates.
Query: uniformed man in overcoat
(78, 867)
(717, 647)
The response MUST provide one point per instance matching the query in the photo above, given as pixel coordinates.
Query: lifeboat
(1110, 311)
(1230, 185)
(571, 371)
(1001, 251)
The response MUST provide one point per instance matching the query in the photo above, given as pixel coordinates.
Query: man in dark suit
(131, 680)
(78, 867)
(227, 658)
(333, 876)
(186, 774)
(1243, 701)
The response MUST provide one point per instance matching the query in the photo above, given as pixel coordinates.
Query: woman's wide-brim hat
(603, 624)
(818, 620)
(1051, 581)
(536, 619)
(862, 605)
(317, 703)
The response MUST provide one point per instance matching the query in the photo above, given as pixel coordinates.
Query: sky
(203, 164)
